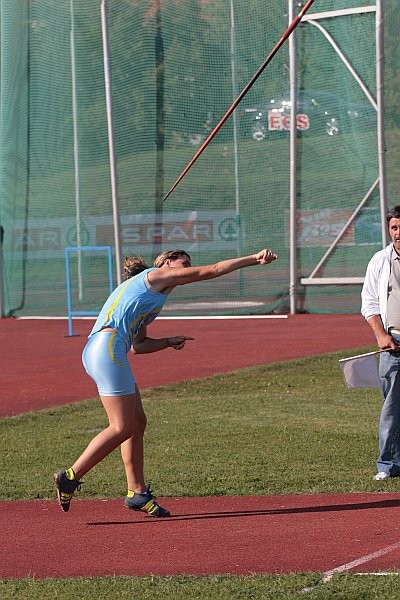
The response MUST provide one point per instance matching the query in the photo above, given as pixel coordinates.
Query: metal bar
(380, 118)
(292, 167)
(2, 311)
(346, 62)
(82, 313)
(235, 147)
(234, 116)
(339, 13)
(349, 222)
(76, 248)
(110, 124)
(79, 250)
(2, 87)
(377, 104)
(332, 280)
(110, 270)
(76, 148)
(69, 302)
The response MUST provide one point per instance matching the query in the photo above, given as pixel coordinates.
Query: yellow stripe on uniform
(114, 304)
(139, 318)
(111, 351)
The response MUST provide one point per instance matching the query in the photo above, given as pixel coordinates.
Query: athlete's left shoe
(65, 489)
(146, 503)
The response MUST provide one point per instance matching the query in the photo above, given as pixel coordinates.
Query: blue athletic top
(130, 306)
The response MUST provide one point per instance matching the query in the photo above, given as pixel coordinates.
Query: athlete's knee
(140, 423)
(123, 431)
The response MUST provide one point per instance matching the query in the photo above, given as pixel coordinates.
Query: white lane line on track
(181, 318)
(327, 576)
(385, 573)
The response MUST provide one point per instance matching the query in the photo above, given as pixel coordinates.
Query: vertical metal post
(2, 312)
(76, 150)
(78, 250)
(111, 145)
(69, 300)
(293, 166)
(380, 117)
(235, 145)
(234, 116)
(159, 55)
(110, 270)
(2, 88)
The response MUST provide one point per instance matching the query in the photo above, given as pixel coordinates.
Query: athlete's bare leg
(121, 417)
(132, 450)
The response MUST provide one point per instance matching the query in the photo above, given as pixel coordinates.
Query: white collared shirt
(374, 292)
(393, 302)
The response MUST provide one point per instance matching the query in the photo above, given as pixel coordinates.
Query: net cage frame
(79, 250)
(313, 20)
(310, 19)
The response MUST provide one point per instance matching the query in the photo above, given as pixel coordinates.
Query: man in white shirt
(381, 307)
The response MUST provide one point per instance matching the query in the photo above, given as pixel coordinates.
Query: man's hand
(386, 342)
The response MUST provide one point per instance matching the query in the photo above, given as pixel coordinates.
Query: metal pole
(234, 116)
(69, 300)
(380, 117)
(2, 87)
(235, 144)
(2, 312)
(110, 123)
(76, 152)
(292, 167)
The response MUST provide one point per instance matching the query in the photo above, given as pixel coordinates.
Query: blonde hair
(133, 265)
(169, 255)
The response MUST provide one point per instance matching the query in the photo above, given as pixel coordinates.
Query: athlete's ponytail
(132, 266)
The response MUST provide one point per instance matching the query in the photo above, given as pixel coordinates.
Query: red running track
(40, 367)
(211, 535)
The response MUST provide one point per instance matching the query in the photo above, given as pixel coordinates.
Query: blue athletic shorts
(105, 360)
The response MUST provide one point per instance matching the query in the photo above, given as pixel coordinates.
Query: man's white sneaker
(381, 475)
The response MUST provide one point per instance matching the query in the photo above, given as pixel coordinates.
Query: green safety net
(176, 68)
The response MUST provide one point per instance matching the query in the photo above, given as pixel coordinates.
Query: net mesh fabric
(176, 68)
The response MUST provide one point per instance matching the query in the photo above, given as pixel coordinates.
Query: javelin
(284, 37)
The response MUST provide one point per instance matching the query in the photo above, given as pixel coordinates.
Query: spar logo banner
(192, 230)
(321, 227)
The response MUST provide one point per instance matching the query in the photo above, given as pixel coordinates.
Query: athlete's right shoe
(65, 489)
(146, 503)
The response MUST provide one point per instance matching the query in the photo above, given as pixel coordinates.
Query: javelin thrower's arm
(166, 278)
(142, 344)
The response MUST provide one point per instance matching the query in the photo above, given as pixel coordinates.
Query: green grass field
(283, 428)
